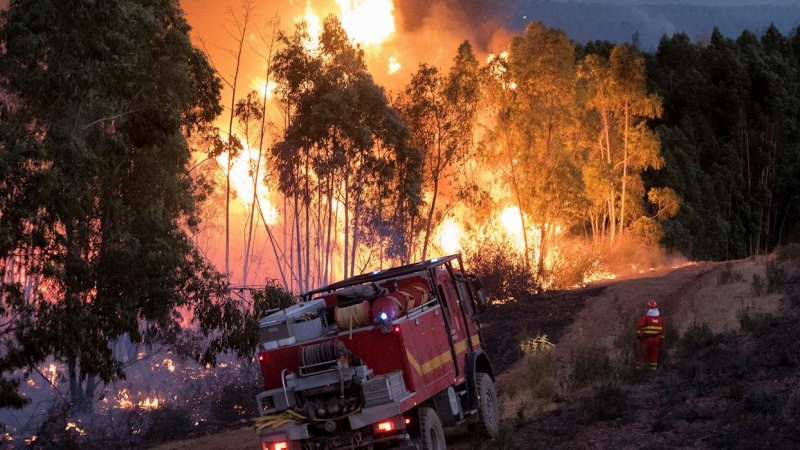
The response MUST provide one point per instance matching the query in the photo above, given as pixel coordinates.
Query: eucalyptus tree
(231, 145)
(95, 196)
(344, 145)
(625, 146)
(534, 122)
(440, 111)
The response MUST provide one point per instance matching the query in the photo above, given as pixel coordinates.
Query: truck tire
(431, 430)
(488, 408)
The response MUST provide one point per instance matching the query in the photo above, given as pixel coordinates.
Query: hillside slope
(719, 386)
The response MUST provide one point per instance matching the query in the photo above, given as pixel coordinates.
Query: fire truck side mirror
(481, 296)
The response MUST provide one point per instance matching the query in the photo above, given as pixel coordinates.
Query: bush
(236, 401)
(776, 276)
(757, 286)
(789, 252)
(756, 323)
(574, 264)
(53, 432)
(727, 275)
(609, 402)
(168, 423)
(697, 337)
(591, 364)
(501, 268)
(541, 366)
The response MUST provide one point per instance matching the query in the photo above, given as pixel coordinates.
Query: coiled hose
(355, 316)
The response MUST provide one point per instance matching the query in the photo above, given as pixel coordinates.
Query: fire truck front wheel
(431, 430)
(488, 407)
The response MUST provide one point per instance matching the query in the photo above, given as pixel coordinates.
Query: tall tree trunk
(624, 172)
(429, 225)
(242, 29)
(346, 252)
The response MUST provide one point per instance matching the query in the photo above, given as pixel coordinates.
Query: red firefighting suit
(650, 331)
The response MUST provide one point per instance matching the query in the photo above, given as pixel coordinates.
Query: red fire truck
(381, 360)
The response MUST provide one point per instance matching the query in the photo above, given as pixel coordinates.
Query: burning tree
(95, 198)
(344, 162)
(532, 132)
(440, 110)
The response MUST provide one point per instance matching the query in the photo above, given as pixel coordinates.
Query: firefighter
(650, 331)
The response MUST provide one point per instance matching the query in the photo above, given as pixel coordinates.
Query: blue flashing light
(383, 316)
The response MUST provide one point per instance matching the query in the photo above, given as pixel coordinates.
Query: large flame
(513, 225)
(242, 172)
(367, 22)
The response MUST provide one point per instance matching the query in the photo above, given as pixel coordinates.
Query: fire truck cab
(381, 360)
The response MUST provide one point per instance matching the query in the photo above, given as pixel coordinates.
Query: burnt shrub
(167, 424)
(789, 252)
(757, 285)
(609, 402)
(501, 268)
(53, 432)
(727, 275)
(776, 276)
(755, 322)
(591, 364)
(773, 349)
(236, 401)
(696, 338)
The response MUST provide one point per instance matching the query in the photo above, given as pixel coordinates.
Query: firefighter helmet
(651, 304)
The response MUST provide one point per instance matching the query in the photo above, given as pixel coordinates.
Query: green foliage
(9, 396)
(727, 275)
(776, 276)
(345, 143)
(234, 323)
(94, 179)
(440, 111)
(713, 91)
(590, 364)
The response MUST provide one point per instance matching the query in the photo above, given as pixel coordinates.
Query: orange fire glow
(263, 88)
(242, 172)
(314, 25)
(149, 403)
(513, 225)
(394, 66)
(367, 22)
(124, 399)
(449, 236)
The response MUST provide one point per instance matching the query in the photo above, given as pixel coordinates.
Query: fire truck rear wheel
(431, 430)
(488, 412)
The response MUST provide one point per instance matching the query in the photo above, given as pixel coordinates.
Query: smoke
(480, 18)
